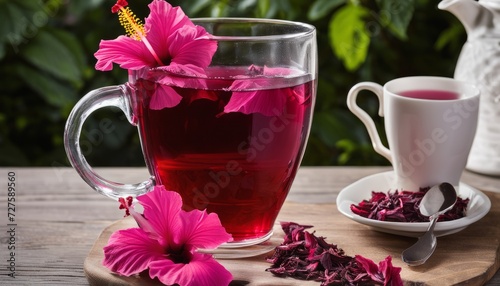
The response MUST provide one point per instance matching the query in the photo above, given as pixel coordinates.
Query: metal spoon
(438, 200)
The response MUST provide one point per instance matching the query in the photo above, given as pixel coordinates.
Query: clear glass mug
(234, 141)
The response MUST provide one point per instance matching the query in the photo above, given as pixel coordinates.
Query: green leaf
(348, 35)
(321, 8)
(49, 54)
(246, 5)
(30, 5)
(77, 8)
(52, 91)
(263, 7)
(21, 20)
(218, 9)
(347, 147)
(396, 15)
(12, 23)
(196, 6)
(72, 44)
(448, 36)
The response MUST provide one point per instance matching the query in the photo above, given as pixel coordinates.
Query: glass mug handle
(378, 90)
(111, 96)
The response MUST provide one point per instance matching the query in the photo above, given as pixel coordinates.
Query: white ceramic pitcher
(479, 63)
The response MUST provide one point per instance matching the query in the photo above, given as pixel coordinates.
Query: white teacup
(430, 123)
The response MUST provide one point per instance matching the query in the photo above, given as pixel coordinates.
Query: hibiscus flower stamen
(126, 204)
(143, 223)
(133, 26)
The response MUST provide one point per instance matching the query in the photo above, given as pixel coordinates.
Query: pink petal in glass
(266, 102)
(164, 96)
(250, 94)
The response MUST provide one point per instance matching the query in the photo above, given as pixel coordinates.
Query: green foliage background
(47, 64)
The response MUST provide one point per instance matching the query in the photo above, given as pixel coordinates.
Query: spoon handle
(418, 253)
(433, 219)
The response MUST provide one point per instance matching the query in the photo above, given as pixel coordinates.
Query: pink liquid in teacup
(431, 94)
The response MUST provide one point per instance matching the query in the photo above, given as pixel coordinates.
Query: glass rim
(308, 28)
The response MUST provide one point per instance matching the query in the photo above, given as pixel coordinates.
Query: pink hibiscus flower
(168, 40)
(166, 243)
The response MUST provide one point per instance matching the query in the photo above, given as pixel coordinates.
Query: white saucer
(479, 205)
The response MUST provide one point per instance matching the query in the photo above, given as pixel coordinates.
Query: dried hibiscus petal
(402, 206)
(303, 255)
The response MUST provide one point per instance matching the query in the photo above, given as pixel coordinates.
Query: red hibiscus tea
(431, 94)
(223, 108)
(240, 163)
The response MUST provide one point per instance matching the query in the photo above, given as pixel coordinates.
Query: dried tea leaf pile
(402, 206)
(303, 255)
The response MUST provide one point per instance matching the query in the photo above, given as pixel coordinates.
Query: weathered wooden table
(57, 217)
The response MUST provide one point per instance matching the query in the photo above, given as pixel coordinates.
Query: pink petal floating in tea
(203, 94)
(166, 243)
(255, 71)
(187, 70)
(181, 75)
(254, 92)
(266, 102)
(278, 71)
(164, 96)
(259, 78)
(299, 94)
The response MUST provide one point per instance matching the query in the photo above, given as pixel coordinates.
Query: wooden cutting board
(469, 257)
